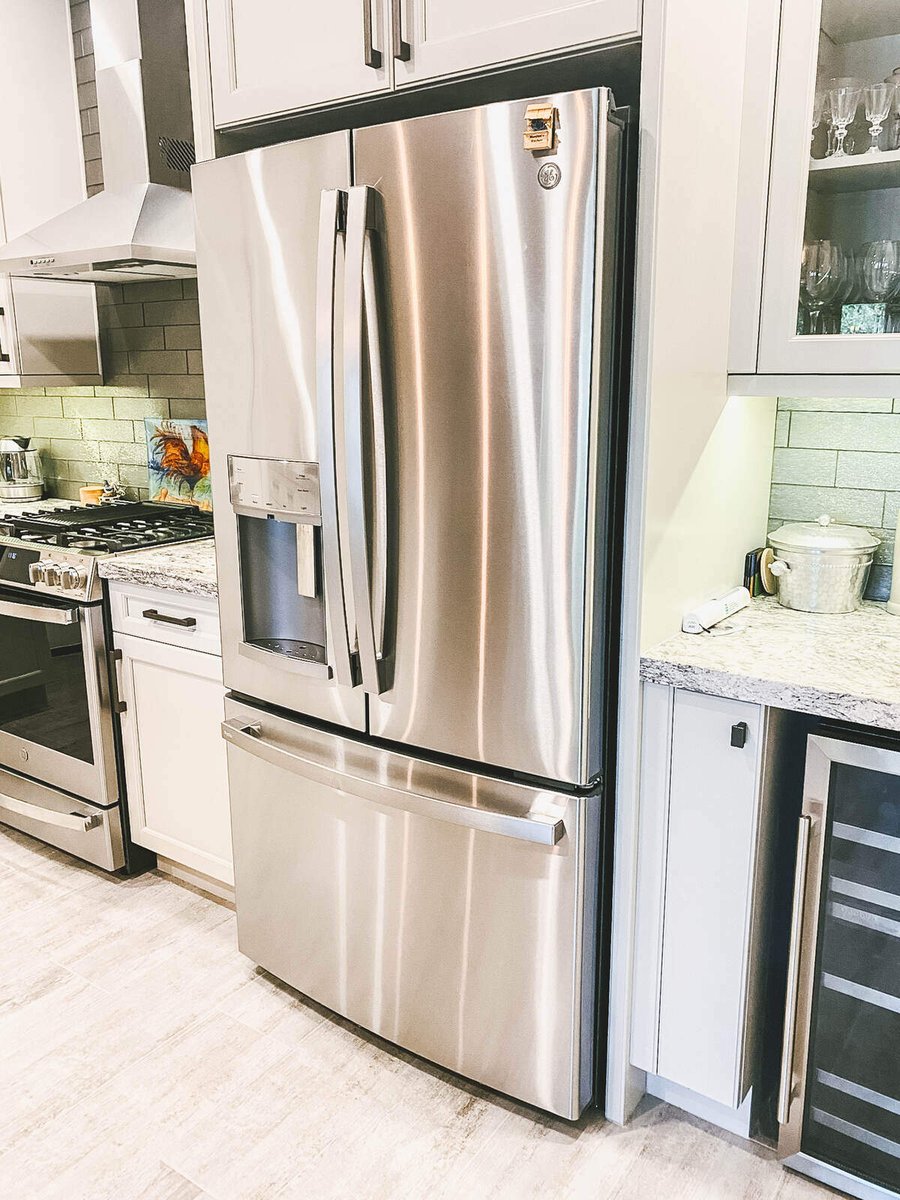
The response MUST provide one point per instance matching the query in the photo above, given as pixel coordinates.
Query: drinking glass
(819, 106)
(880, 270)
(893, 138)
(843, 101)
(879, 102)
(823, 275)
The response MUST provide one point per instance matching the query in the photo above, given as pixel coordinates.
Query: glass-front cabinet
(831, 279)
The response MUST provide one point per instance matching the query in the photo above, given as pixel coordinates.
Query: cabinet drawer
(176, 618)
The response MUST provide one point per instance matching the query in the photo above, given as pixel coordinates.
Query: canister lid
(823, 535)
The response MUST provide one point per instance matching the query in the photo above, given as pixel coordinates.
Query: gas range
(56, 550)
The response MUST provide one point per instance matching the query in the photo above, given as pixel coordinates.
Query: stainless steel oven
(58, 778)
(839, 1105)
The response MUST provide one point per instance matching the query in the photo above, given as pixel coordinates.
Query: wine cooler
(839, 1103)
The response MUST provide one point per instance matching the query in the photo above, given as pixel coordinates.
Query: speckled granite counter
(186, 567)
(845, 666)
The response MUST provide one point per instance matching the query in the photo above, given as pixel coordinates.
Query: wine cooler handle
(786, 1088)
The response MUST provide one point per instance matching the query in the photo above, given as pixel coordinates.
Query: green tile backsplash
(841, 457)
(150, 345)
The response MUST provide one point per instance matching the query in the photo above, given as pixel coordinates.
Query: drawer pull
(164, 619)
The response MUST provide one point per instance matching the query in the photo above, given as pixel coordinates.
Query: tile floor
(143, 1058)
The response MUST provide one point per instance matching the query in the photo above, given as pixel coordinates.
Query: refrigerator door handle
(339, 635)
(542, 831)
(362, 335)
(786, 1083)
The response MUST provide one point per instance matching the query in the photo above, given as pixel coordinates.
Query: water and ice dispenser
(278, 512)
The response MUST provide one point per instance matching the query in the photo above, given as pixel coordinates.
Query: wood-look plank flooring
(142, 1057)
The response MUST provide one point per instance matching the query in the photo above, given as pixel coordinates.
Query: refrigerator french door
(407, 336)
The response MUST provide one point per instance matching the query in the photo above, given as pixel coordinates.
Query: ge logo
(549, 175)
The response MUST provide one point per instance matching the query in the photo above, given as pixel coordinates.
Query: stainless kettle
(21, 474)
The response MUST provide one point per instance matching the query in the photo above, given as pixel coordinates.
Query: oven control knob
(36, 572)
(73, 577)
(51, 575)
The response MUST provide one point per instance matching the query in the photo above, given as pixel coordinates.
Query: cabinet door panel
(713, 815)
(276, 56)
(453, 36)
(175, 755)
(48, 329)
(817, 196)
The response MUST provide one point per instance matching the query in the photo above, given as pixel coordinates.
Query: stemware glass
(879, 102)
(819, 106)
(843, 101)
(880, 271)
(893, 138)
(823, 274)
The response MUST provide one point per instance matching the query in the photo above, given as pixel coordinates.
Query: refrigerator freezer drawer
(447, 912)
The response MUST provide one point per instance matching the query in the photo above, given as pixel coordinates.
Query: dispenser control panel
(275, 487)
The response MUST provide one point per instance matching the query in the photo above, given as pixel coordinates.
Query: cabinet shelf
(855, 172)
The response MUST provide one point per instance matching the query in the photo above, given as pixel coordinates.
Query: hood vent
(141, 226)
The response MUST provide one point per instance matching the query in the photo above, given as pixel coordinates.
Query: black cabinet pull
(739, 735)
(184, 622)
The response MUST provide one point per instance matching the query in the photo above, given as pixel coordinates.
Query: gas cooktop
(56, 549)
(109, 528)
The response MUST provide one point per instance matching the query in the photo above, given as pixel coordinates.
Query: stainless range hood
(141, 226)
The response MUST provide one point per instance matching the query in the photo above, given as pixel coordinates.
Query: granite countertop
(185, 567)
(845, 666)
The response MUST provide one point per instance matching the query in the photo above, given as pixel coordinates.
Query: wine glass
(893, 140)
(879, 101)
(880, 271)
(819, 105)
(843, 101)
(823, 274)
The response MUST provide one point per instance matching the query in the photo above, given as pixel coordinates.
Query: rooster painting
(179, 462)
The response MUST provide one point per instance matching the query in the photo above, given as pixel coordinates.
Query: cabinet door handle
(164, 619)
(402, 50)
(117, 704)
(3, 357)
(371, 56)
(739, 735)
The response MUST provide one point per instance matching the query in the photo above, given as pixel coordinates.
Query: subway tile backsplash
(841, 457)
(150, 340)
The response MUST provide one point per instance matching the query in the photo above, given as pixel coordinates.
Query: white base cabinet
(175, 767)
(704, 823)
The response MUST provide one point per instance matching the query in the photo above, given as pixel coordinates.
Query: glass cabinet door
(831, 288)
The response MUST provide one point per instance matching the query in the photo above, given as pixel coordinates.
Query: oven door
(55, 706)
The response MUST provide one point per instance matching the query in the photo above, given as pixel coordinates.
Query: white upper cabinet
(48, 329)
(831, 279)
(269, 57)
(273, 57)
(449, 37)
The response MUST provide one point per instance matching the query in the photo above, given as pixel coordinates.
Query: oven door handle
(40, 612)
(79, 822)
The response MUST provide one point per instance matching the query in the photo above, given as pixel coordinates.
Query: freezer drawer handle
(3, 357)
(785, 1091)
(542, 831)
(79, 822)
(40, 612)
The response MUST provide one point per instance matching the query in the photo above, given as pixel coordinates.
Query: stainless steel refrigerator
(408, 347)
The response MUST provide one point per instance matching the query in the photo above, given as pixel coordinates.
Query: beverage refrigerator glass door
(840, 1096)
